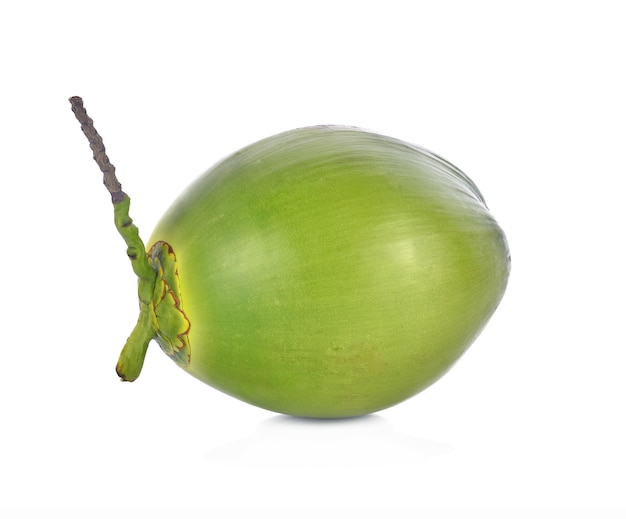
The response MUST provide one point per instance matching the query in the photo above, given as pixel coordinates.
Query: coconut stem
(99, 152)
(132, 356)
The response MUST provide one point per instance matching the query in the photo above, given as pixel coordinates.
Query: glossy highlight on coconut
(324, 272)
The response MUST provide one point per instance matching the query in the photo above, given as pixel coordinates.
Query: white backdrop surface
(526, 97)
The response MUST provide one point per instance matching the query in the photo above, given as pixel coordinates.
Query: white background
(526, 97)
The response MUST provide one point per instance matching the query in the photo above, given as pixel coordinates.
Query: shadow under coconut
(289, 442)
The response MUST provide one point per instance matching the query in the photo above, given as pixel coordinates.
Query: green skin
(323, 272)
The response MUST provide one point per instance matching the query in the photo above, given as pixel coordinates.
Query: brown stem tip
(99, 152)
